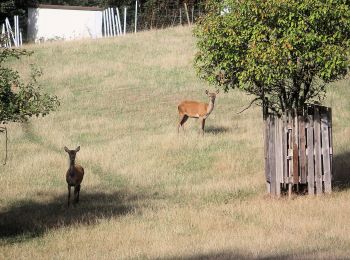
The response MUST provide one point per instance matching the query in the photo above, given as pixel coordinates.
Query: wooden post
(295, 150)
(285, 150)
(115, 30)
(192, 14)
(108, 23)
(3, 34)
(330, 139)
(266, 151)
(117, 25)
(9, 32)
(278, 155)
(187, 16)
(290, 154)
(302, 150)
(326, 152)
(180, 16)
(15, 30)
(318, 162)
(310, 154)
(272, 155)
(118, 22)
(136, 16)
(125, 10)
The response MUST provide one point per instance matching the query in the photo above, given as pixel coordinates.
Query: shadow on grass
(216, 129)
(29, 219)
(228, 255)
(341, 171)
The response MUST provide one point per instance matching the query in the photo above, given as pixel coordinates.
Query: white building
(53, 22)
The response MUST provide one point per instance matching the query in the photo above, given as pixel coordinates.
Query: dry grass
(149, 193)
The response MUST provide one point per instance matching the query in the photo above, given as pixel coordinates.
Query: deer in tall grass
(75, 174)
(194, 109)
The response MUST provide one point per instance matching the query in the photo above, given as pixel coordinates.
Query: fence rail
(298, 151)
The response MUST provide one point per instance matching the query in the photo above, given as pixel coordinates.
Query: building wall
(50, 24)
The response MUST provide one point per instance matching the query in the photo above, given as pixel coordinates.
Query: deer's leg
(76, 193)
(182, 121)
(68, 194)
(202, 125)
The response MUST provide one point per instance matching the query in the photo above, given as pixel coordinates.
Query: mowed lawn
(149, 193)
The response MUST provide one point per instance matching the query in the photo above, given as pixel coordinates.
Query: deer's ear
(66, 149)
(217, 91)
(77, 149)
(206, 92)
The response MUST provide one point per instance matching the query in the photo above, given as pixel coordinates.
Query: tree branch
(251, 103)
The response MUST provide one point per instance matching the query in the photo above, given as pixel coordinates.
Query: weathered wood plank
(266, 150)
(295, 151)
(326, 152)
(317, 148)
(310, 155)
(330, 127)
(278, 155)
(272, 157)
(290, 154)
(299, 150)
(284, 150)
(302, 150)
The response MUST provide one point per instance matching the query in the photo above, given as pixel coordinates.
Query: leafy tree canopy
(282, 51)
(19, 100)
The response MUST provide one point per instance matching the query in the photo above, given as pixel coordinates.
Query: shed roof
(69, 7)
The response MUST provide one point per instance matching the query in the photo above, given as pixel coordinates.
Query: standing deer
(75, 174)
(196, 109)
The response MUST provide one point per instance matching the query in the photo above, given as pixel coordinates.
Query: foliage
(9, 8)
(18, 100)
(282, 51)
(151, 13)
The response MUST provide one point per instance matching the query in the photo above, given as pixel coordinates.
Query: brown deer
(196, 109)
(75, 174)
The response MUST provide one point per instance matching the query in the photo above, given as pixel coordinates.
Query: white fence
(12, 37)
(112, 25)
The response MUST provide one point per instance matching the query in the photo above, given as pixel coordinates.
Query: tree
(21, 100)
(284, 52)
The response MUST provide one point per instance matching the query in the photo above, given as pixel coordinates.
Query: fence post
(125, 9)
(310, 154)
(114, 24)
(192, 13)
(118, 22)
(326, 151)
(180, 16)
(136, 16)
(187, 15)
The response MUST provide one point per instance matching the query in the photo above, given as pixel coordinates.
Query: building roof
(68, 7)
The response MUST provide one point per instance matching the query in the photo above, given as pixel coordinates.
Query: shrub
(284, 52)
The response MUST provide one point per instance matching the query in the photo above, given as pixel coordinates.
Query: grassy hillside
(148, 192)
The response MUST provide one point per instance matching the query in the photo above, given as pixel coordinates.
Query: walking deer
(194, 109)
(75, 174)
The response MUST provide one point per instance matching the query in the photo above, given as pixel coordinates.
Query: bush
(284, 52)
(18, 100)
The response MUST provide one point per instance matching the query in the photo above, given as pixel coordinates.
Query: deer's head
(72, 153)
(212, 95)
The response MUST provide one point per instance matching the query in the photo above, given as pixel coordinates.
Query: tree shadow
(228, 255)
(341, 171)
(29, 219)
(216, 129)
